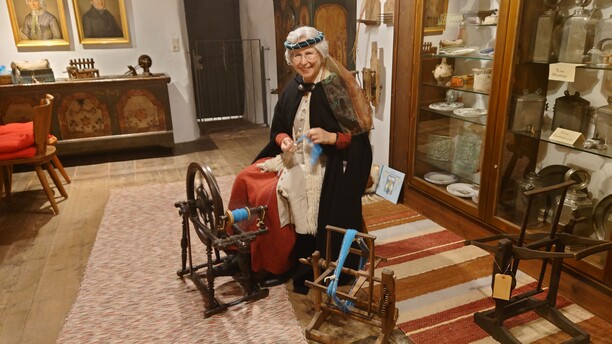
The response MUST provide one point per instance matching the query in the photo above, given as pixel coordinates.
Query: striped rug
(441, 283)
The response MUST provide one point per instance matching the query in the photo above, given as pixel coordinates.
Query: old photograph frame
(38, 23)
(434, 20)
(101, 21)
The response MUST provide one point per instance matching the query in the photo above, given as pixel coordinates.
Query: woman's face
(34, 4)
(307, 63)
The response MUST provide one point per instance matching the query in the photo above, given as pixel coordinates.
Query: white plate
(462, 190)
(457, 51)
(444, 106)
(470, 112)
(440, 178)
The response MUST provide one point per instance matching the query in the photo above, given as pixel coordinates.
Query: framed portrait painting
(101, 21)
(38, 23)
(435, 16)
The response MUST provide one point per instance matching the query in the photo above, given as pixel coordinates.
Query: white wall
(253, 27)
(383, 35)
(152, 28)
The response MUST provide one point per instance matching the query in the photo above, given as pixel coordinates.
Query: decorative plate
(440, 178)
(462, 190)
(470, 112)
(602, 216)
(444, 106)
(455, 51)
(486, 52)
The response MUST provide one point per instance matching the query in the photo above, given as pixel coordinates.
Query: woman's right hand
(287, 145)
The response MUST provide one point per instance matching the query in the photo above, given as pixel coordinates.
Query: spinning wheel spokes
(204, 209)
(203, 193)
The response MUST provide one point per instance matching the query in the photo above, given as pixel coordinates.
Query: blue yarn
(240, 214)
(345, 306)
(316, 151)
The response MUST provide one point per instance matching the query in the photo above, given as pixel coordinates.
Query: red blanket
(269, 252)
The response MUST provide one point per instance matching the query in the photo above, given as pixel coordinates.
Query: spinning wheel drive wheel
(203, 195)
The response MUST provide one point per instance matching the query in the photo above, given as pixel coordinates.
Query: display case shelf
(545, 136)
(461, 89)
(604, 67)
(482, 120)
(463, 57)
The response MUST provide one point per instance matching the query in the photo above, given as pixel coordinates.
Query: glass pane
(553, 116)
(455, 83)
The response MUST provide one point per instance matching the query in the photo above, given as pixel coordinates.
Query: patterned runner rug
(131, 293)
(440, 283)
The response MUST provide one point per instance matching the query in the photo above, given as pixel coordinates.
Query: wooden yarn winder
(380, 313)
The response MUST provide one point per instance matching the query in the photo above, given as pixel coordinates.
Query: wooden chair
(56, 161)
(44, 155)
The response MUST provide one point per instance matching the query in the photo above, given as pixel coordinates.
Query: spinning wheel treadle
(204, 209)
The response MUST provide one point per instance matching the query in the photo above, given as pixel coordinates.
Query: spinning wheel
(204, 209)
(204, 194)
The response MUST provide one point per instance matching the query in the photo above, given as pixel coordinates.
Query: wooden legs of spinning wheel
(388, 312)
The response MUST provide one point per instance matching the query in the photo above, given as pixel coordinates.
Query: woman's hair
(42, 3)
(303, 33)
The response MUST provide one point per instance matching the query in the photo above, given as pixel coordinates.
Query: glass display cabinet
(495, 97)
(561, 132)
(454, 101)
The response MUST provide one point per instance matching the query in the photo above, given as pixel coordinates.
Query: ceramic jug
(443, 72)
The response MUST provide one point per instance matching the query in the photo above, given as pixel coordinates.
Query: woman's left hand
(322, 136)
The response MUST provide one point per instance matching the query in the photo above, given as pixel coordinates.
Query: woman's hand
(321, 136)
(287, 145)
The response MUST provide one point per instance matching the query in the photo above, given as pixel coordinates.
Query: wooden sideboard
(96, 115)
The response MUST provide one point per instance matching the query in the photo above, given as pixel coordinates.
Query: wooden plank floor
(43, 257)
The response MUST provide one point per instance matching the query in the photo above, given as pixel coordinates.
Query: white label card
(502, 287)
(562, 71)
(566, 137)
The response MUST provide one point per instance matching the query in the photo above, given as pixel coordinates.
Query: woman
(40, 24)
(321, 107)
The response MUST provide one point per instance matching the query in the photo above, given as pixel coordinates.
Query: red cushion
(13, 142)
(20, 154)
(16, 127)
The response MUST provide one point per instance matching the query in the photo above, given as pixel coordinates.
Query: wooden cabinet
(102, 114)
(470, 149)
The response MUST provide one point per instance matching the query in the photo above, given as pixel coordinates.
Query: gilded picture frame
(434, 17)
(38, 23)
(101, 21)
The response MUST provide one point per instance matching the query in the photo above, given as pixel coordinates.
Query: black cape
(346, 175)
